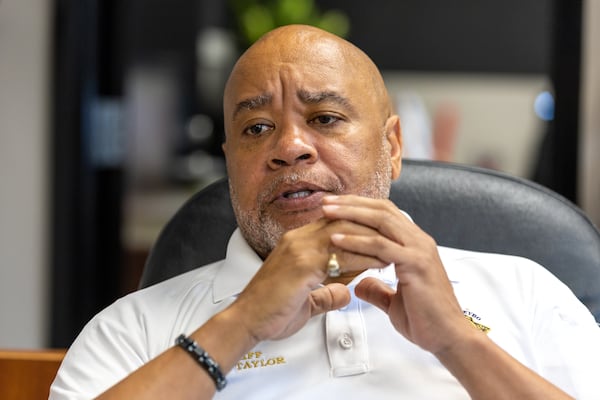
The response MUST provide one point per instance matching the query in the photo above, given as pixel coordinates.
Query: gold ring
(333, 267)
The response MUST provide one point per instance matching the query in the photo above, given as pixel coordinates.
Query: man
(327, 288)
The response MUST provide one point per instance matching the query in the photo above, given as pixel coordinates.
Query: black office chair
(460, 206)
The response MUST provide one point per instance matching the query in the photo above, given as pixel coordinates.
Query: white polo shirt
(353, 353)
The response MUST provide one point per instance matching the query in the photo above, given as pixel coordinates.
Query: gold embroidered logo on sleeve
(477, 325)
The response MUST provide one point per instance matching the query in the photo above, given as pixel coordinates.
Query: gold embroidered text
(256, 359)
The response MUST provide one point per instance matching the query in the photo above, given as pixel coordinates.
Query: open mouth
(298, 195)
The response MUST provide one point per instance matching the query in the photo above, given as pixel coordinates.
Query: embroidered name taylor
(256, 359)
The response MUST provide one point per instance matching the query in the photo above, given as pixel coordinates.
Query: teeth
(297, 195)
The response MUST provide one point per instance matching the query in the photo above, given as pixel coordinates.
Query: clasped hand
(292, 286)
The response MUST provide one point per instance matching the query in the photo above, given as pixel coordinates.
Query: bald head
(294, 44)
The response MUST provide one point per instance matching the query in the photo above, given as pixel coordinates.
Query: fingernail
(330, 207)
(336, 237)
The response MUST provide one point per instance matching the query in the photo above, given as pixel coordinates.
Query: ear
(394, 137)
(224, 148)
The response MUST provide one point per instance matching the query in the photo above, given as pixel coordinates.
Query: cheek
(243, 177)
(241, 164)
(357, 157)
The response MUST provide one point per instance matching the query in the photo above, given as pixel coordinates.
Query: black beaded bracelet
(205, 361)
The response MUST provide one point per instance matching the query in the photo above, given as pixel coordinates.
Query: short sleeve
(109, 347)
(567, 338)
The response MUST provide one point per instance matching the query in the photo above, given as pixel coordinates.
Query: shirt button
(345, 341)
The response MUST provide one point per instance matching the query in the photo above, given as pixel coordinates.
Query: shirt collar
(240, 264)
(385, 274)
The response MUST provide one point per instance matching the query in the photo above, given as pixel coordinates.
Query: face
(300, 124)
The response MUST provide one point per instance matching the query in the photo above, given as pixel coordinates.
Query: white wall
(589, 188)
(496, 120)
(24, 172)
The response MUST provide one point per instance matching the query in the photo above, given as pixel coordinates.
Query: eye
(256, 129)
(324, 120)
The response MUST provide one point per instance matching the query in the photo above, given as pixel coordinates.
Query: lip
(301, 196)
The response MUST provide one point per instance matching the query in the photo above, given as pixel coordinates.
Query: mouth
(300, 196)
(295, 191)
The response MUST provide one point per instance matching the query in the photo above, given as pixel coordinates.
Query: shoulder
(129, 333)
(513, 279)
(178, 287)
(152, 309)
(463, 264)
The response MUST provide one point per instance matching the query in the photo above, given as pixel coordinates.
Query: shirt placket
(347, 340)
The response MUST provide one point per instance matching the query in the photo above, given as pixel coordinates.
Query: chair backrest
(28, 374)
(460, 206)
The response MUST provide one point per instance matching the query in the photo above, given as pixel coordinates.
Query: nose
(292, 146)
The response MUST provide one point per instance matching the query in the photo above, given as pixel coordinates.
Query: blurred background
(110, 118)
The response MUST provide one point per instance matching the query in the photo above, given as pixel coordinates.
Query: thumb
(328, 297)
(375, 292)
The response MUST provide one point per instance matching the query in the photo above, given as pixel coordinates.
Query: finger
(329, 297)
(349, 259)
(351, 200)
(380, 215)
(376, 292)
(372, 247)
(352, 261)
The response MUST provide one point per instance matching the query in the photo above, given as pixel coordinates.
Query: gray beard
(263, 232)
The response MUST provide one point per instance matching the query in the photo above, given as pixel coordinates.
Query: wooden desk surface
(28, 374)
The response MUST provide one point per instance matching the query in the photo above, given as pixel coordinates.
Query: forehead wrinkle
(253, 103)
(324, 97)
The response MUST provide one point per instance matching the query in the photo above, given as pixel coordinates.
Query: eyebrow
(324, 97)
(253, 103)
(256, 102)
